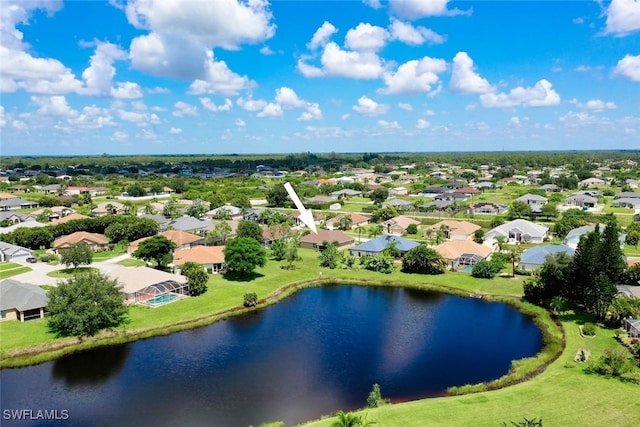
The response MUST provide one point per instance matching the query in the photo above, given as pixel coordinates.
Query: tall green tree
(277, 196)
(519, 210)
(76, 255)
(249, 229)
(157, 248)
(611, 257)
(242, 255)
(423, 260)
(86, 304)
(278, 249)
(197, 277)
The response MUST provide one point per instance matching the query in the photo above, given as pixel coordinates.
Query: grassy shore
(561, 395)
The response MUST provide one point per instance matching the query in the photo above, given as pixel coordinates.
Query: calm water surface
(312, 354)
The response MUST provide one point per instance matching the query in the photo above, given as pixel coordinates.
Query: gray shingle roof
(538, 254)
(21, 296)
(380, 243)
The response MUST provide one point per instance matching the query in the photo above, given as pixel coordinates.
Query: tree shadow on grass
(577, 317)
(235, 277)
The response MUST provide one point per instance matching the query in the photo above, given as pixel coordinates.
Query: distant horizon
(347, 153)
(172, 77)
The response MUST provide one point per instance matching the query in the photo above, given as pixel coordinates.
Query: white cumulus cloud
(623, 17)
(416, 9)
(595, 105)
(271, 110)
(388, 125)
(251, 104)
(209, 105)
(413, 77)
(312, 112)
(322, 35)
(288, 98)
(415, 36)
(368, 107)
(422, 124)
(629, 67)
(183, 109)
(464, 79)
(366, 37)
(541, 94)
(175, 131)
(55, 106)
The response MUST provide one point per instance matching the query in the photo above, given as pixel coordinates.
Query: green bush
(485, 269)
(589, 329)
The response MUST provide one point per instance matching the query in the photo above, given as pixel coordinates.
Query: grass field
(67, 273)
(132, 262)
(9, 269)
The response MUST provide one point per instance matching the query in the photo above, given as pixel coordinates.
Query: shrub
(412, 229)
(484, 270)
(589, 329)
(423, 260)
(375, 397)
(250, 299)
(613, 363)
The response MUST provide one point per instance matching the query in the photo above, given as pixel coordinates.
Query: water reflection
(91, 367)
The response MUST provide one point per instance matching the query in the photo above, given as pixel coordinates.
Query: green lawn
(563, 395)
(132, 262)
(9, 269)
(67, 273)
(105, 255)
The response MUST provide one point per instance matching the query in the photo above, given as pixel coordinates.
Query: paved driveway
(38, 275)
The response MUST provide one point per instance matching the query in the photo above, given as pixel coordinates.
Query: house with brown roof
(462, 253)
(455, 230)
(210, 257)
(356, 219)
(398, 225)
(182, 239)
(109, 208)
(70, 217)
(94, 240)
(318, 241)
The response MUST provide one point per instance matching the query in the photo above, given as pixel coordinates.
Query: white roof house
(518, 230)
(136, 279)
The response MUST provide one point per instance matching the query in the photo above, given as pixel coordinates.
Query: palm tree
(514, 256)
(351, 420)
(360, 229)
(500, 243)
(375, 231)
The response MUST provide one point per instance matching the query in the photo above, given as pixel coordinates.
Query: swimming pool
(162, 299)
(467, 269)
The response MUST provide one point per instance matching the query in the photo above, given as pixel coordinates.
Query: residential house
(467, 191)
(455, 230)
(550, 188)
(22, 301)
(94, 240)
(345, 193)
(518, 230)
(7, 196)
(399, 204)
(15, 203)
(11, 252)
(161, 220)
(319, 200)
(453, 197)
(591, 182)
(16, 217)
(398, 225)
(632, 328)
(533, 258)
(376, 246)
(150, 286)
(463, 253)
(27, 224)
(190, 224)
(210, 257)
(51, 189)
(355, 219)
(109, 208)
(182, 240)
(626, 202)
(226, 211)
(271, 234)
(318, 241)
(54, 212)
(487, 208)
(398, 191)
(67, 218)
(534, 201)
(573, 236)
(582, 201)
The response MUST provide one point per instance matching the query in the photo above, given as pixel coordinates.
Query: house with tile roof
(317, 241)
(94, 240)
(455, 230)
(398, 225)
(210, 257)
(463, 253)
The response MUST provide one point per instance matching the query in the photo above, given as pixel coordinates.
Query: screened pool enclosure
(162, 293)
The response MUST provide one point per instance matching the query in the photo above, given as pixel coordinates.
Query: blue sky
(228, 76)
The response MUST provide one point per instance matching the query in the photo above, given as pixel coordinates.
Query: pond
(312, 354)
